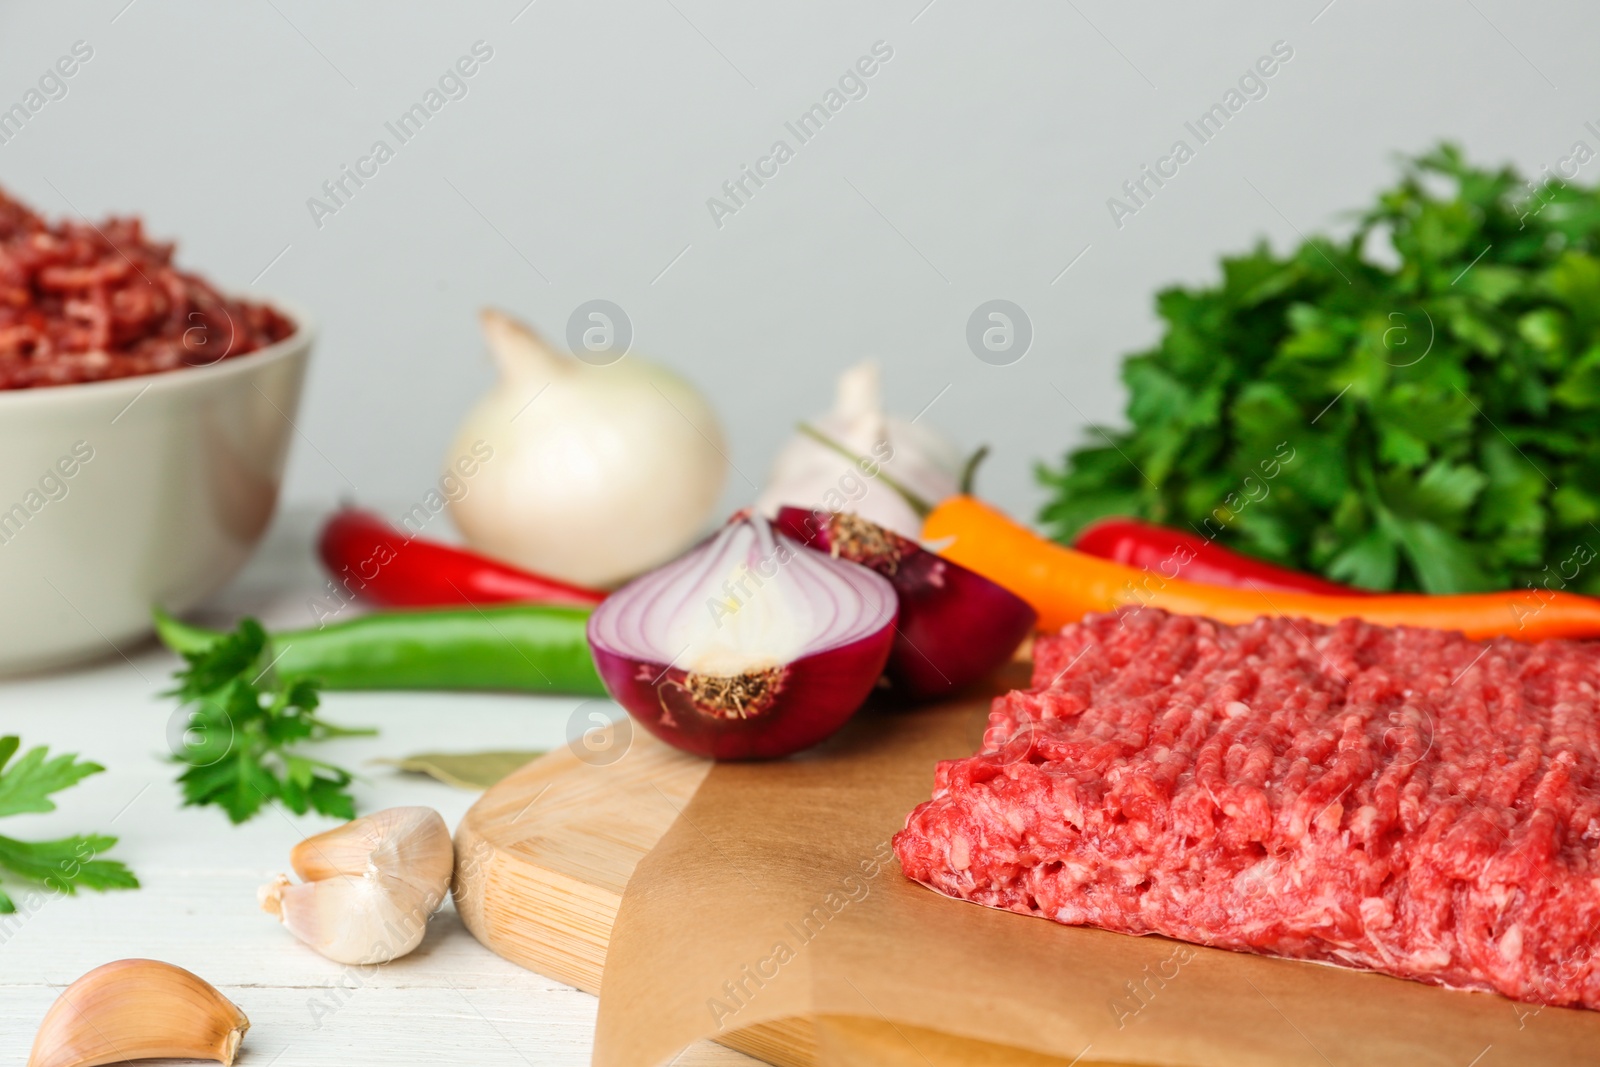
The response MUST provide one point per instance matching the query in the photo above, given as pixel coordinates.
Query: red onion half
(955, 626)
(749, 646)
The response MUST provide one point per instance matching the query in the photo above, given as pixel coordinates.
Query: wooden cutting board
(542, 860)
(543, 857)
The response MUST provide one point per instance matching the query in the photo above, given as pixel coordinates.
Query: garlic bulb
(809, 474)
(369, 886)
(138, 1010)
(596, 473)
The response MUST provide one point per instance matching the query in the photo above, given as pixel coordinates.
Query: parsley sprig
(63, 865)
(1435, 377)
(244, 728)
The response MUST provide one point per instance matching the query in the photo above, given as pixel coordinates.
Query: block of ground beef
(1404, 800)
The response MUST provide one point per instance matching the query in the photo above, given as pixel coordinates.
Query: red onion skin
(956, 626)
(818, 694)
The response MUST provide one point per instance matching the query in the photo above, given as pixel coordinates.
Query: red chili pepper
(1175, 554)
(389, 567)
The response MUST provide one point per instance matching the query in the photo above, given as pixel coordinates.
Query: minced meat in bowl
(85, 302)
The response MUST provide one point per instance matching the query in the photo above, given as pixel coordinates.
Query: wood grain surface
(542, 860)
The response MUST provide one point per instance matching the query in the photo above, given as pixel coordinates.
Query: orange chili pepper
(1064, 585)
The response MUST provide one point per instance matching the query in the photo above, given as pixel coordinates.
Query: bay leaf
(464, 770)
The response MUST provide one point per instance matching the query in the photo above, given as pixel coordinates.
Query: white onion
(596, 472)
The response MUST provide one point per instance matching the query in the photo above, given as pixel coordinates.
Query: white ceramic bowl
(119, 495)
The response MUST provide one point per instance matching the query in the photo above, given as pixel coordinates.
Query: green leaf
(1493, 284)
(1264, 534)
(242, 748)
(1442, 563)
(216, 666)
(62, 865)
(1399, 446)
(1437, 417)
(328, 797)
(1512, 498)
(252, 786)
(1267, 416)
(65, 865)
(27, 786)
(1113, 491)
(1433, 401)
(1317, 334)
(1543, 328)
(1155, 397)
(1575, 506)
(1318, 474)
(1477, 332)
(1574, 279)
(1446, 490)
(1369, 562)
(1579, 386)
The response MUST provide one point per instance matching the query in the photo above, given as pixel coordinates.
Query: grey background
(578, 166)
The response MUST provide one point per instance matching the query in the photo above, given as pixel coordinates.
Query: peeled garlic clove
(138, 1010)
(370, 885)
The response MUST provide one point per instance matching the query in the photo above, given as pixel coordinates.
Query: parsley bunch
(63, 865)
(1441, 397)
(243, 728)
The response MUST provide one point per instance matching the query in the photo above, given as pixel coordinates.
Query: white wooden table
(450, 1002)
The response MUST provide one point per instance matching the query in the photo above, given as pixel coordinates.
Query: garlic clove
(138, 1010)
(858, 394)
(352, 920)
(808, 474)
(411, 843)
(369, 886)
(343, 850)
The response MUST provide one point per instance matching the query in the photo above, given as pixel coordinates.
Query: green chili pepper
(535, 648)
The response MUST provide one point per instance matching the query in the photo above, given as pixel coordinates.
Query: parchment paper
(774, 896)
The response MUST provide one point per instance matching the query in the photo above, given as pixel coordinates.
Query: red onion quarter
(749, 646)
(955, 626)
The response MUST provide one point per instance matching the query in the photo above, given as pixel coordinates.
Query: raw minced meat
(1405, 800)
(81, 302)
